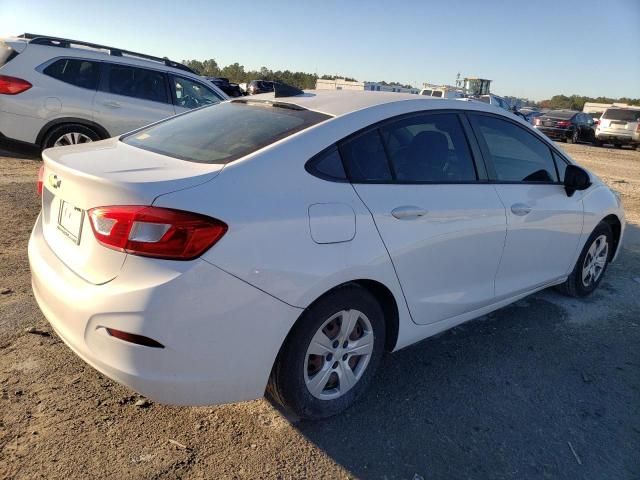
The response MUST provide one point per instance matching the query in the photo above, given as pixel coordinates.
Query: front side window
(224, 132)
(429, 148)
(190, 94)
(517, 155)
(81, 73)
(137, 83)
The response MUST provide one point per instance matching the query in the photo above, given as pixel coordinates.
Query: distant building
(342, 84)
(593, 107)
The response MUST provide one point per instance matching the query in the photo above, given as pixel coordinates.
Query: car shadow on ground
(534, 390)
(9, 148)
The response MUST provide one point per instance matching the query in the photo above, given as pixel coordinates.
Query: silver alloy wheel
(71, 138)
(338, 354)
(595, 260)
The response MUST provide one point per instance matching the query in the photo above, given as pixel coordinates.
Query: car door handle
(112, 104)
(520, 209)
(408, 212)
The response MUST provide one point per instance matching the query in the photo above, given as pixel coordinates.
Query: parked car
(531, 115)
(231, 89)
(619, 126)
(57, 92)
(255, 87)
(492, 99)
(566, 125)
(289, 241)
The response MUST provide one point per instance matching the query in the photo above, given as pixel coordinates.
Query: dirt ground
(546, 388)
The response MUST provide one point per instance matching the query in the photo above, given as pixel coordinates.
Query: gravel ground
(546, 388)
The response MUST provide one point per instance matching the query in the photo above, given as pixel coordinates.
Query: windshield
(225, 132)
(623, 114)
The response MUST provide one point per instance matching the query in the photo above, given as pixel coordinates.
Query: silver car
(56, 91)
(619, 126)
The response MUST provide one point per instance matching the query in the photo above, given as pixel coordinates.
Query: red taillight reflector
(40, 180)
(133, 338)
(12, 85)
(155, 232)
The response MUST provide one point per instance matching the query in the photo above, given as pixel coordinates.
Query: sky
(532, 49)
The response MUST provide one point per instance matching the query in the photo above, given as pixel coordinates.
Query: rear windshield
(626, 115)
(560, 114)
(224, 132)
(6, 53)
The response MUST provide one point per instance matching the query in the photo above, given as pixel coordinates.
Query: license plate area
(70, 219)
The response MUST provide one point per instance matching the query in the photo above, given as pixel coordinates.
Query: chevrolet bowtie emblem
(54, 181)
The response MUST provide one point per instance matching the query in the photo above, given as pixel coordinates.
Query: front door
(544, 223)
(443, 228)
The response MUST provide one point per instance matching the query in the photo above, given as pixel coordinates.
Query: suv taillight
(12, 85)
(563, 123)
(154, 231)
(40, 180)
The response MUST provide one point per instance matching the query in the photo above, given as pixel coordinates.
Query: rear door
(444, 228)
(130, 97)
(544, 224)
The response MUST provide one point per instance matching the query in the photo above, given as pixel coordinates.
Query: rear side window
(137, 83)
(365, 158)
(224, 132)
(429, 148)
(81, 73)
(622, 114)
(517, 155)
(327, 165)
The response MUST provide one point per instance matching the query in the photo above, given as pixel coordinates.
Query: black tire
(598, 143)
(56, 132)
(287, 384)
(573, 138)
(574, 285)
(618, 145)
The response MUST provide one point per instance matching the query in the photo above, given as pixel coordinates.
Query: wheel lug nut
(335, 365)
(336, 344)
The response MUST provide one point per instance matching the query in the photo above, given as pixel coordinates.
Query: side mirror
(575, 178)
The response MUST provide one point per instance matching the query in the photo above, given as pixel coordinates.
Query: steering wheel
(190, 102)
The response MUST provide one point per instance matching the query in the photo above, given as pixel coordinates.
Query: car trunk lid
(78, 178)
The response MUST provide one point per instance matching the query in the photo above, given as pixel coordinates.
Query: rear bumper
(551, 132)
(21, 128)
(622, 138)
(221, 335)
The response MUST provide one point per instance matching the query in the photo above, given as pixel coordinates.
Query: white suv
(56, 92)
(619, 126)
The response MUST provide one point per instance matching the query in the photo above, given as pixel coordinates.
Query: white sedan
(283, 243)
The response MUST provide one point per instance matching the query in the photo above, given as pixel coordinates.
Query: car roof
(341, 102)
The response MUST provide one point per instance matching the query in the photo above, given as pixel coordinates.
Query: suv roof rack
(116, 52)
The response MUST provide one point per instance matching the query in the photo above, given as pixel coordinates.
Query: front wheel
(592, 263)
(331, 354)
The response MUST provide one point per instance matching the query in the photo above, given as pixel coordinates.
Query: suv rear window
(623, 114)
(224, 132)
(81, 73)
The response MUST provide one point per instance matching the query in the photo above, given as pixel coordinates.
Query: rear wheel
(69, 134)
(331, 354)
(592, 263)
(574, 137)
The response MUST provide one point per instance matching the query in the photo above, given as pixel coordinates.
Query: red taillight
(154, 231)
(12, 85)
(40, 180)
(563, 123)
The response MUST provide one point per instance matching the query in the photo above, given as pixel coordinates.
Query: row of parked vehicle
(616, 126)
